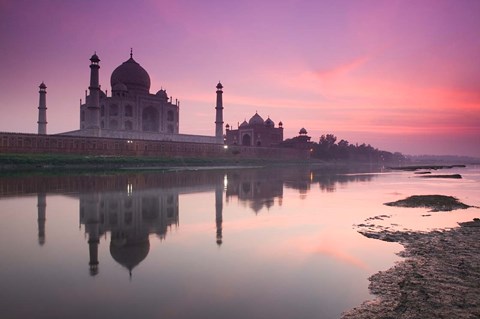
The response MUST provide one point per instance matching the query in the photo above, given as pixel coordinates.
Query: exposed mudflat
(454, 176)
(437, 203)
(439, 277)
(430, 167)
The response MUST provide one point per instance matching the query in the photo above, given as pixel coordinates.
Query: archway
(246, 140)
(150, 119)
(128, 111)
(170, 115)
(128, 125)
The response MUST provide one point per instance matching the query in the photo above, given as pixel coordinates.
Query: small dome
(280, 124)
(244, 123)
(42, 86)
(132, 75)
(162, 93)
(219, 86)
(303, 131)
(269, 123)
(120, 87)
(94, 58)
(256, 119)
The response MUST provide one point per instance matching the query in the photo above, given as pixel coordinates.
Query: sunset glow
(399, 75)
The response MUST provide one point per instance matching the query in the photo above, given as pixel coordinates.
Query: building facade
(132, 107)
(132, 121)
(255, 132)
(131, 111)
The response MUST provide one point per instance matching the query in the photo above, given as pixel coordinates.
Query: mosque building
(255, 132)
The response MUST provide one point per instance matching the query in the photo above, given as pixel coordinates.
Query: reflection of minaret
(42, 208)
(92, 228)
(93, 251)
(219, 211)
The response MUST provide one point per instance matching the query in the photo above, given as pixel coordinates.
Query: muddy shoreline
(438, 278)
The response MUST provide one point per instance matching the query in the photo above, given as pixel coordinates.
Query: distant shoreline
(57, 163)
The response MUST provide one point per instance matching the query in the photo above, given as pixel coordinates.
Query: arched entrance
(150, 119)
(246, 140)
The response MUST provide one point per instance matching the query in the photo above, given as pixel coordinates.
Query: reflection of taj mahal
(130, 220)
(131, 208)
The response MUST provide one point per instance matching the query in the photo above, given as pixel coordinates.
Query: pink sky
(399, 75)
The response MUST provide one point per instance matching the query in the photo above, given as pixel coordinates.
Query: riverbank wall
(24, 143)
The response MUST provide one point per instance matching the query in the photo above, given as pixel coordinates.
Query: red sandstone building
(255, 132)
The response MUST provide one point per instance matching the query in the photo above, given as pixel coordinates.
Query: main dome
(132, 75)
(256, 120)
(130, 254)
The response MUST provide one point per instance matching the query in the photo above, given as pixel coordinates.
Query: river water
(237, 243)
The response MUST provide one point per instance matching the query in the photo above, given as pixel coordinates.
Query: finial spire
(131, 53)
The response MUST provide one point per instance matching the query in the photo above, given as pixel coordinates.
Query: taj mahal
(132, 112)
(132, 121)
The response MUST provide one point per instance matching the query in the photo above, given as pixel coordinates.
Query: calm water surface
(247, 243)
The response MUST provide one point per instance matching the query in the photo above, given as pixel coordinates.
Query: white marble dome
(132, 75)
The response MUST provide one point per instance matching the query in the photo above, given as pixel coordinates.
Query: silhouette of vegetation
(329, 149)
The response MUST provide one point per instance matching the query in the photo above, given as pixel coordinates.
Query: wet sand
(439, 277)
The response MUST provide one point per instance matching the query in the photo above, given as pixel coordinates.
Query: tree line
(329, 149)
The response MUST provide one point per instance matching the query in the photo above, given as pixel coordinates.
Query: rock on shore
(439, 278)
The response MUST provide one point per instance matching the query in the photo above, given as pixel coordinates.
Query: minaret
(219, 115)
(93, 105)
(42, 110)
(41, 211)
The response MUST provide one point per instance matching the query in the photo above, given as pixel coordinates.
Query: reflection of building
(219, 213)
(258, 188)
(42, 213)
(255, 132)
(131, 207)
(130, 218)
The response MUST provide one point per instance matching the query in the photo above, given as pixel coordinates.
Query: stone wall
(61, 144)
(133, 135)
